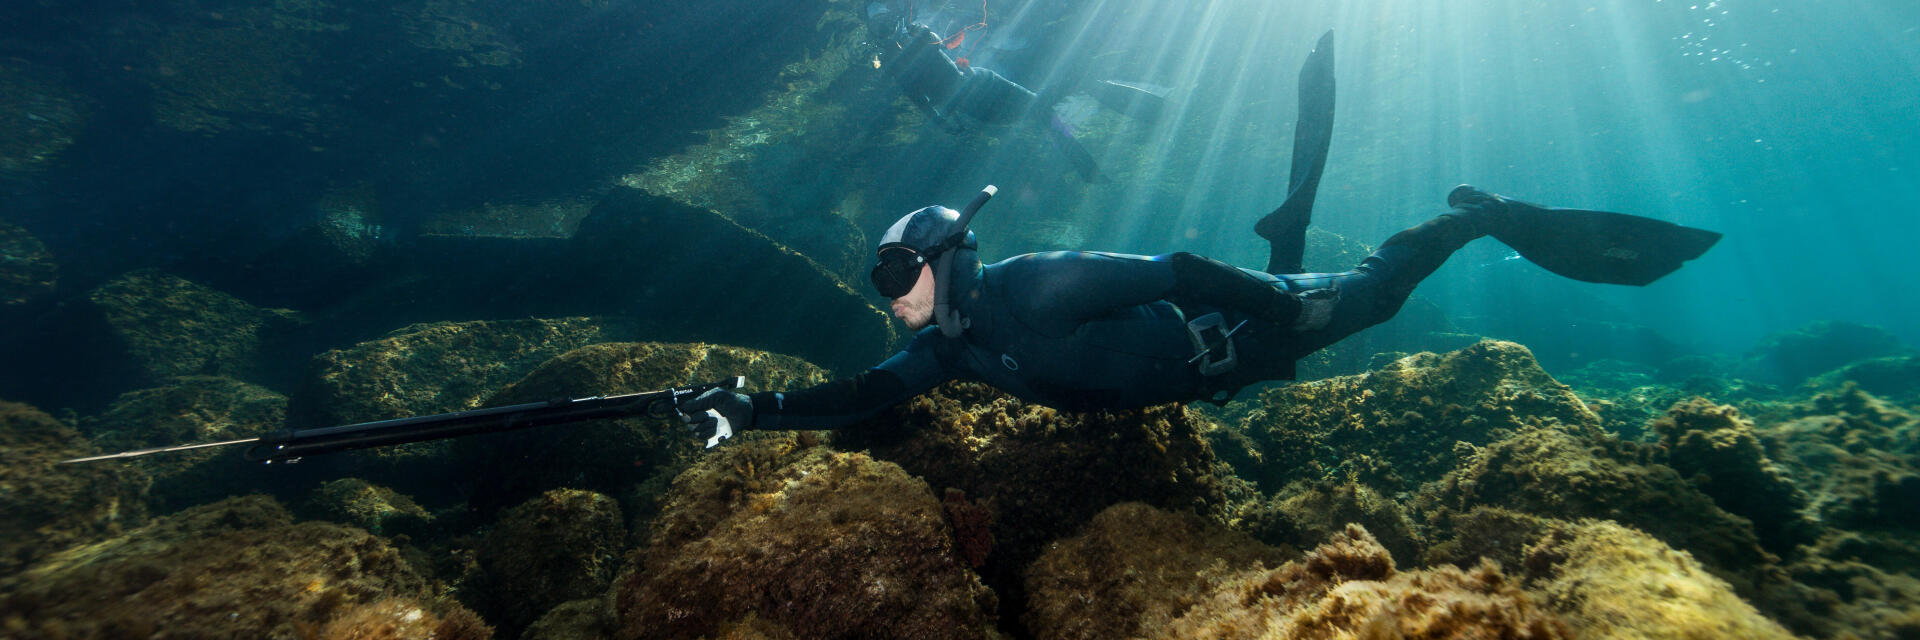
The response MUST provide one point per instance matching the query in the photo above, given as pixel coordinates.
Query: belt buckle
(1209, 334)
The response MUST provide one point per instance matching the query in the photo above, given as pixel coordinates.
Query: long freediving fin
(1137, 100)
(1597, 246)
(1286, 227)
(1060, 135)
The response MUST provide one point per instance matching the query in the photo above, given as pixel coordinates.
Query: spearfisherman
(1081, 330)
(961, 96)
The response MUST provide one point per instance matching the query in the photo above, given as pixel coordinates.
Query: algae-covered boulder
(564, 545)
(590, 619)
(1397, 427)
(838, 545)
(434, 368)
(170, 326)
(46, 506)
(1305, 514)
(610, 455)
(1349, 587)
(1133, 568)
(1551, 473)
(188, 410)
(427, 369)
(405, 618)
(27, 271)
(1853, 454)
(1895, 378)
(1719, 452)
(1042, 473)
(1790, 357)
(1488, 533)
(1611, 581)
(356, 502)
(1845, 585)
(239, 568)
(39, 118)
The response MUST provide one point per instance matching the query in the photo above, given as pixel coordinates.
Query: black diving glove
(719, 412)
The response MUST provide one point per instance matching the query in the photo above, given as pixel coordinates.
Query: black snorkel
(950, 321)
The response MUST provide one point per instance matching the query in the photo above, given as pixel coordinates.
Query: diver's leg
(1286, 227)
(1337, 305)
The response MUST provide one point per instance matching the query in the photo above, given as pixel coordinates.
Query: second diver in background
(959, 95)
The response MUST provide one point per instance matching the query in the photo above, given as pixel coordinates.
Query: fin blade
(1286, 227)
(1605, 247)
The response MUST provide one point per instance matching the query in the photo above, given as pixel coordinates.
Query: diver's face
(916, 307)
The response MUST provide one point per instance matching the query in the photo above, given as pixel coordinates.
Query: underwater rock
(1611, 581)
(170, 326)
(1853, 454)
(670, 271)
(1683, 368)
(1611, 374)
(1349, 587)
(191, 409)
(558, 218)
(398, 619)
(590, 619)
(564, 545)
(243, 74)
(1329, 252)
(1551, 473)
(1626, 403)
(1486, 533)
(46, 506)
(356, 502)
(762, 169)
(1790, 357)
(837, 544)
(428, 369)
(27, 271)
(753, 627)
(610, 455)
(1895, 378)
(1043, 473)
(39, 117)
(325, 260)
(239, 568)
(1307, 513)
(1719, 453)
(1844, 588)
(434, 368)
(1132, 569)
(1397, 427)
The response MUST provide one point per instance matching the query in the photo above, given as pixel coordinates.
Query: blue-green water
(223, 217)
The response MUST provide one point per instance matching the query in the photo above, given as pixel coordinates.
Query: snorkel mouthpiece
(952, 324)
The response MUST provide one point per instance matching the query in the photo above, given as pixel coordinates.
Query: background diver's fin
(1599, 246)
(1060, 134)
(1136, 100)
(1286, 228)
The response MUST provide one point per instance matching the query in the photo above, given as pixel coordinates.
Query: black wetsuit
(1079, 331)
(953, 93)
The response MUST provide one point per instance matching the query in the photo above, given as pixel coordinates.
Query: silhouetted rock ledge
(27, 271)
(680, 273)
